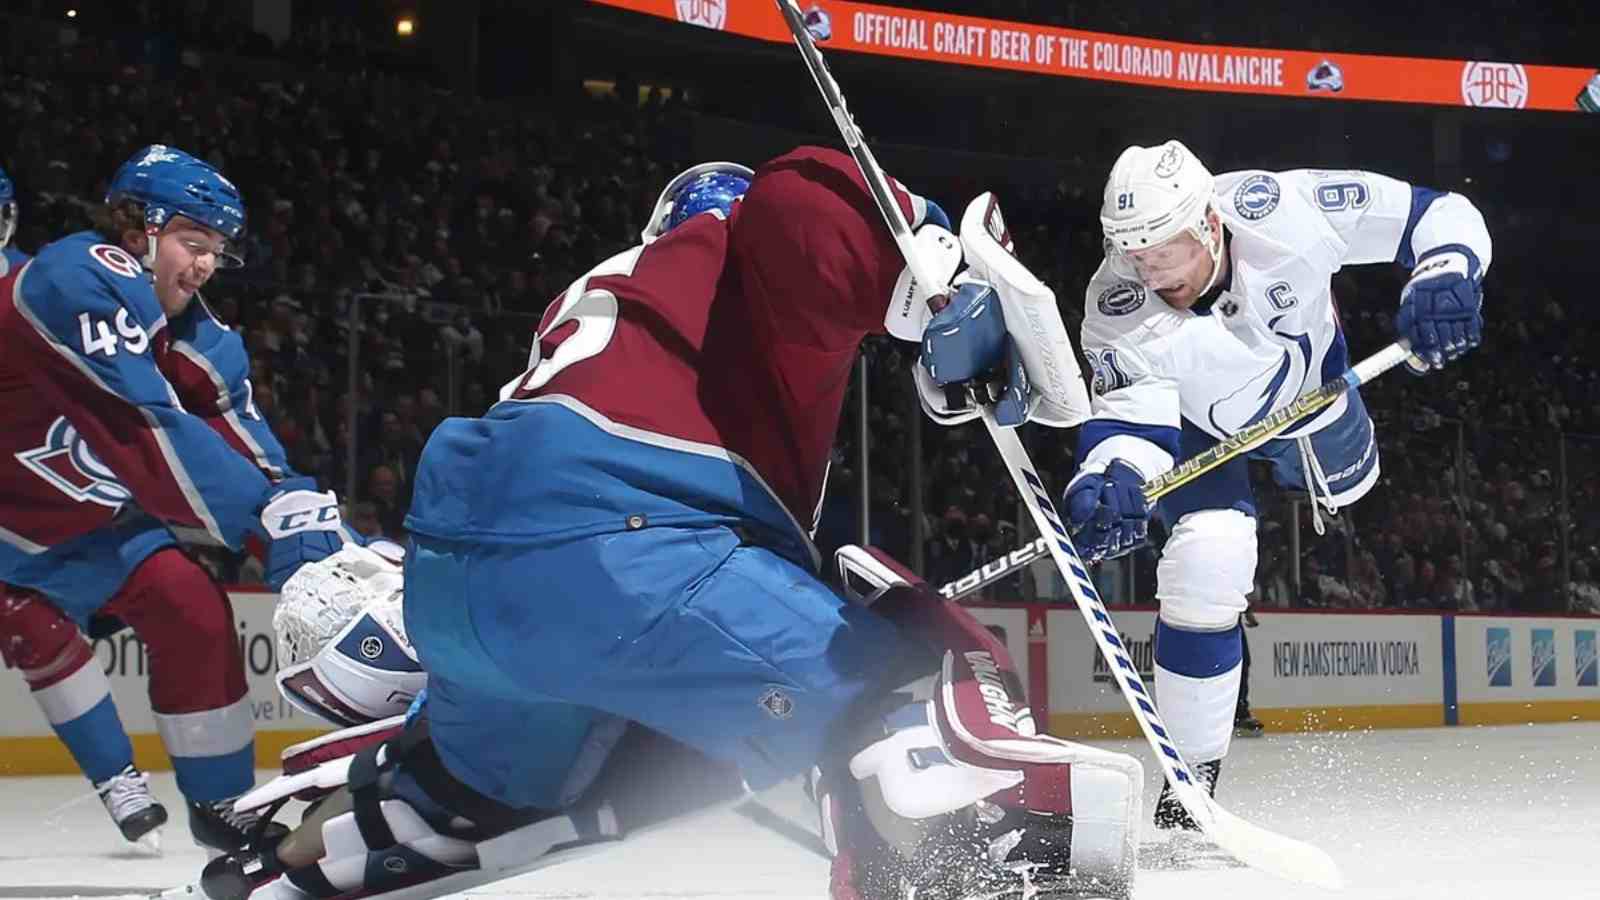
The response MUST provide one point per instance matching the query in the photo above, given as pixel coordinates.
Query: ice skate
(138, 816)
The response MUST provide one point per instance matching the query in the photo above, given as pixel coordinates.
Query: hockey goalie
(1066, 824)
(622, 617)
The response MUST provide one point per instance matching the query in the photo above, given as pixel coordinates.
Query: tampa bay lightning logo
(1257, 196)
(1121, 299)
(66, 461)
(1268, 389)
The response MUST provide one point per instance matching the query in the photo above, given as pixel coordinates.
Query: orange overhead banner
(1066, 52)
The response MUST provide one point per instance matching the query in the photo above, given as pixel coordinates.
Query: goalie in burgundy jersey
(621, 547)
(126, 411)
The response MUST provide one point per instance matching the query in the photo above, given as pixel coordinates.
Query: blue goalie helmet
(166, 182)
(708, 186)
(8, 209)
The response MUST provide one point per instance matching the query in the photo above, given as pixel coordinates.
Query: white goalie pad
(343, 654)
(1032, 317)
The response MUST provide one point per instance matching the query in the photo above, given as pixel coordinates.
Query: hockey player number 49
(97, 337)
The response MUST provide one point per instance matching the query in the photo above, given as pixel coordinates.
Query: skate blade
(150, 842)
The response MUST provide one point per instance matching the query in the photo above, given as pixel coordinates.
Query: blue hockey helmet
(708, 186)
(8, 209)
(166, 182)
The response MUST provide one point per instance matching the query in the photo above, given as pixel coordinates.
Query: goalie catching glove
(343, 654)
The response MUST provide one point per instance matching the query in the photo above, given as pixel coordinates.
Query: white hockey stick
(1250, 844)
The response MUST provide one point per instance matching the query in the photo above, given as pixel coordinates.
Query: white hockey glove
(343, 653)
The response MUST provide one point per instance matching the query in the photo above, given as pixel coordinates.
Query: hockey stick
(1250, 844)
(1229, 448)
(1252, 436)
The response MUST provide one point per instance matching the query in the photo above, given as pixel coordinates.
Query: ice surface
(1501, 813)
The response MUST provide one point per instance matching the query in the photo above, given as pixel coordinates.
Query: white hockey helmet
(343, 653)
(1156, 194)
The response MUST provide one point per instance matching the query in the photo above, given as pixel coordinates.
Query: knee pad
(186, 622)
(43, 644)
(1207, 567)
(34, 634)
(175, 606)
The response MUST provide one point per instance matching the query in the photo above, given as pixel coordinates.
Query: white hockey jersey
(1272, 333)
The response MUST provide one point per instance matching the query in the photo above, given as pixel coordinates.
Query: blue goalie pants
(537, 652)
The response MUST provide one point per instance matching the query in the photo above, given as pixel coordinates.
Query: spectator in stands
(1366, 583)
(1585, 593)
(383, 491)
(365, 519)
(950, 555)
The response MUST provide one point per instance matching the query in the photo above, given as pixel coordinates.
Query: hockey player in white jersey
(1211, 310)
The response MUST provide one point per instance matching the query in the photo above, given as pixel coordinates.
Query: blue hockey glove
(302, 525)
(1106, 512)
(285, 556)
(1441, 309)
(967, 341)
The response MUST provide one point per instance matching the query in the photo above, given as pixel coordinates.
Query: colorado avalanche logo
(66, 461)
(1257, 196)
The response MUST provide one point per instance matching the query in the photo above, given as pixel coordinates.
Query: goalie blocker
(942, 787)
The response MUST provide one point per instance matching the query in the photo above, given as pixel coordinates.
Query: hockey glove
(1441, 309)
(1106, 512)
(967, 342)
(302, 525)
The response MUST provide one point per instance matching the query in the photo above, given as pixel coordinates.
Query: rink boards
(1314, 671)
(1309, 672)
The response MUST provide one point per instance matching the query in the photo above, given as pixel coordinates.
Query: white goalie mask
(343, 654)
(1157, 214)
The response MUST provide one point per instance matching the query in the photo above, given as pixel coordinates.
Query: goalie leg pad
(964, 739)
(402, 820)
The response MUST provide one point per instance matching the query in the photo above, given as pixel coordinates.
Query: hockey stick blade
(1229, 448)
(1250, 844)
